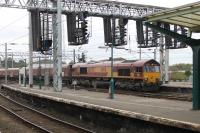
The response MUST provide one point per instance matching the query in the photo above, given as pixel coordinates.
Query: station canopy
(186, 16)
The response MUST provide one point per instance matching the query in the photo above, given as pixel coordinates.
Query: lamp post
(6, 63)
(25, 74)
(74, 56)
(0, 62)
(112, 82)
(6, 66)
(40, 76)
(12, 61)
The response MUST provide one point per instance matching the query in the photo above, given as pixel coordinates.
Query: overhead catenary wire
(17, 38)
(18, 19)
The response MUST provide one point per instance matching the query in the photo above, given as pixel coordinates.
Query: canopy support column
(196, 77)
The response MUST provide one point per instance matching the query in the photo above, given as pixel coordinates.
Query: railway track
(40, 121)
(159, 94)
(165, 95)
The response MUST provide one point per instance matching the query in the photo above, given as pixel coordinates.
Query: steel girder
(94, 7)
(36, 55)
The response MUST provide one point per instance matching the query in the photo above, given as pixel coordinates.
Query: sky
(14, 29)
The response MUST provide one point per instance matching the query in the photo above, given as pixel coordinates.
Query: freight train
(142, 74)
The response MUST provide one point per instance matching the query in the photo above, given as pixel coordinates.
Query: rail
(37, 119)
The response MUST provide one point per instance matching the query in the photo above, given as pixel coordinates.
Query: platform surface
(178, 84)
(179, 111)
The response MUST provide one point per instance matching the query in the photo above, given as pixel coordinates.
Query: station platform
(161, 111)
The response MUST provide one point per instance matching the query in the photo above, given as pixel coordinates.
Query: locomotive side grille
(124, 72)
(83, 70)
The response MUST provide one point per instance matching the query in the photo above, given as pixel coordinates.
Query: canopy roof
(186, 15)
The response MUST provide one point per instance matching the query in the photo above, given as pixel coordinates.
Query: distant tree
(187, 73)
(71, 62)
(178, 76)
(19, 64)
(180, 67)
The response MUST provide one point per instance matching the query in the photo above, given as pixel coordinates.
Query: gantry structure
(36, 54)
(93, 7)
(98, 8)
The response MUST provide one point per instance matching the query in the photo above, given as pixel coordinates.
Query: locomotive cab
(151, 72)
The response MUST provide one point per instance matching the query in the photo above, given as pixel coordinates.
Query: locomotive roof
(129, 61)
(143, 62)
(117, 63)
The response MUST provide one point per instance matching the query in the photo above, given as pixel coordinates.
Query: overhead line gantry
(93, 7)
(42, 8)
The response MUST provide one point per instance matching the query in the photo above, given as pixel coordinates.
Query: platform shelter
(186, 16)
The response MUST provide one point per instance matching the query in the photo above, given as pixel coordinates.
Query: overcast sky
(14, 28)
